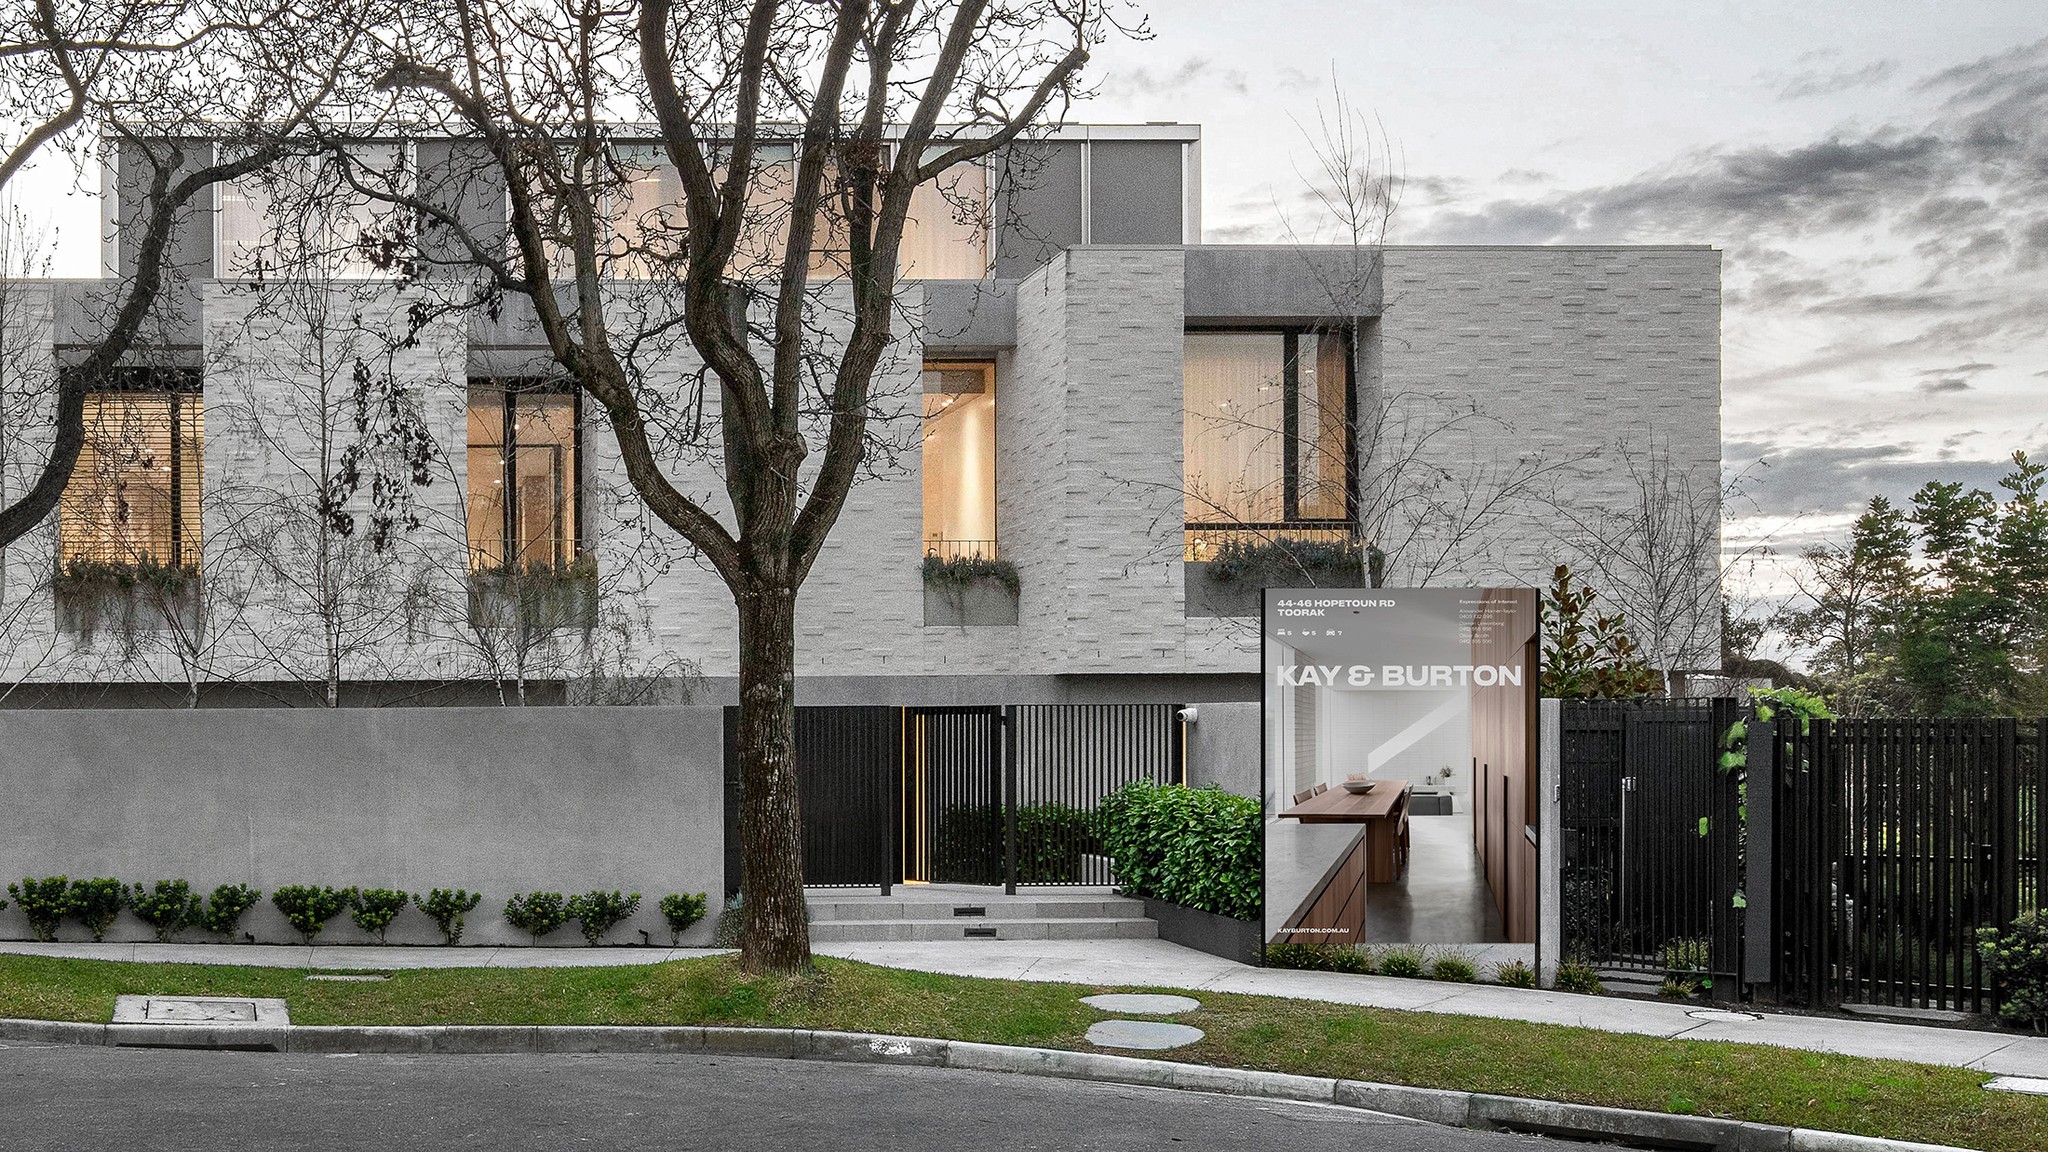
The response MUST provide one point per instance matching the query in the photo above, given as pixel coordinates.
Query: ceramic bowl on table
(1356, 787)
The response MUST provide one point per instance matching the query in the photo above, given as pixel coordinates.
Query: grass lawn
(1748, 1082)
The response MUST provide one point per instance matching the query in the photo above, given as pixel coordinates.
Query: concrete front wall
(1224, 747)
(497, 801)
(1568, 352)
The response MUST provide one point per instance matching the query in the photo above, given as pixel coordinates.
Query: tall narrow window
(960, 460)
(945, 233)
(1267, 437)
(134, 495)
(522, 473)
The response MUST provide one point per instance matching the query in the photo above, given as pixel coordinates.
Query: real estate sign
(1383, 706)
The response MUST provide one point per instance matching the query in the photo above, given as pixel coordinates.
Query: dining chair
(1306, 794)
(1322, 788)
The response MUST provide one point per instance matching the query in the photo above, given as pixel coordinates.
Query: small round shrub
(1454, 968)
(1514, 974)
(1402, 960)
(308, 907)
(2018, 960)
(1579, 976)
(165, 908)
(45, 902)
(225, 906)
(96, 903)
(373, 909)
(597, 913)
(445, 907)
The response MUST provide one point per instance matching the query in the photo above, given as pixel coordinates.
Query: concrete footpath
(1157, 963)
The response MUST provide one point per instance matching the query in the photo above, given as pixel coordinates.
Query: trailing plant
(1579, 976)
(309, 907)
(101, 577)
(45, 902)
(1286, 562)
(445, 907)
(681, 912)
(1453, 967)
(96, 903)
(1587, 655)
(1402, 960)
(536, 595)
(958, 573)
(225, 906)
(166, 908)
(536, 913)
(1767, 703)
(1514, 974)
(1200, 848)
(1322, 958)
(731, 924)
(2018, 960)
(373, 909)
(597, 913)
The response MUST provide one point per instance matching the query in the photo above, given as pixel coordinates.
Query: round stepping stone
(1143, 1034)
(1722, 1016)
(1139, 1004)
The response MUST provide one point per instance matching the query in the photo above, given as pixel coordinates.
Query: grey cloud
(1194, 72)
(1944, 384)
(1833, 479)
(1810, 84)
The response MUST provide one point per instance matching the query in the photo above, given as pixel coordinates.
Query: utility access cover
(212, 1010)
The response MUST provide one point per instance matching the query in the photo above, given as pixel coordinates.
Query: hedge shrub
(373, 909)
(45, 902)
(1200, 848)
(681, 911)
(2018, 959)
(308, 907)
(166, 908)
(597, 913)
(536, 913)
(96, 902)
(445, 907)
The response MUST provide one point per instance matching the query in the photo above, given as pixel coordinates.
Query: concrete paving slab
(1956, 1047)
(1145, 1035)
(1141, 1004)
(2026, 1056)
(2029, 1085)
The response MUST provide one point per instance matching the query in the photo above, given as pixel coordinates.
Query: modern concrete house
(1143, 428)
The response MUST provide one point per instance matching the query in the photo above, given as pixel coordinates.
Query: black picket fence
(1898, 839)
(963, 795)
(1651, 839)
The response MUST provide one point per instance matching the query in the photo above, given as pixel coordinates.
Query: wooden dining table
(1381, 809)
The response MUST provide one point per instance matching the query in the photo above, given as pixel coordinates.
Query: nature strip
(1434, 1105)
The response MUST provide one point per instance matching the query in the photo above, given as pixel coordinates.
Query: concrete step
(1087, 928)
(998, 908)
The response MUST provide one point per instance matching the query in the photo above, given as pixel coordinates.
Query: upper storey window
(1267, 436)
(945, 233)
(316, 216)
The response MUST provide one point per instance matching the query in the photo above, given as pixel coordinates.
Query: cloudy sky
(1874, 171)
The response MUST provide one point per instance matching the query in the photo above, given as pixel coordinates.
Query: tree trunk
(777, 935)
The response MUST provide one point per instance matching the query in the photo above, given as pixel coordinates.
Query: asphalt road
(76, 1098)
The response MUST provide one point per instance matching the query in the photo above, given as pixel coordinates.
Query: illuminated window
(307, 212)
(134, 495)
(522, 474)
(1266, 437)
(960, 460)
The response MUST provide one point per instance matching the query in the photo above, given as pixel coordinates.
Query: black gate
(1651, 838)
(966, 795)
(1897, 840)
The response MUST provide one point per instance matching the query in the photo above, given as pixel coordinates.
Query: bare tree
(796, 137)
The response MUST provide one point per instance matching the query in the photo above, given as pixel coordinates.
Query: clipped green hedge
(1200, 848)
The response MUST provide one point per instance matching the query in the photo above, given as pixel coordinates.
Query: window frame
(407, 151)
(509, 387)
(144, 380)
(1290, 431)
(988, 367)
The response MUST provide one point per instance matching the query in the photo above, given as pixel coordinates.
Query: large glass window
(960, 460)
(134, 495)
(522, 474)
(1266, 436)
(309, 211)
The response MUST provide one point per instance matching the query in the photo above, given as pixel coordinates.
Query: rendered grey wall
(496, 800)
(1135, 194)
(1037, 206)
(1223, 748)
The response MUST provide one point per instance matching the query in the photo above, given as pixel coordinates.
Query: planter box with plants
(1233, 579)
(1196, 856)
(969, 590)
(102, 596)
(535, 597)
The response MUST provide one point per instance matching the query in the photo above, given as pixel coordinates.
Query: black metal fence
(1651, 838)
(1896, 841)
(963, 795)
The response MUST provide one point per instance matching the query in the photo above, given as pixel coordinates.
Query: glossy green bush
(96, 902)
(1199, 848)
(373, 909)
(309, 907)
(165, 908)
(536, 913)
(445, 907)
(44, 902)
(224, 908)
(597, 913)
(681, 911)
(2018, 959)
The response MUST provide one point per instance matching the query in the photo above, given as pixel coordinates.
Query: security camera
(1187, 714)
